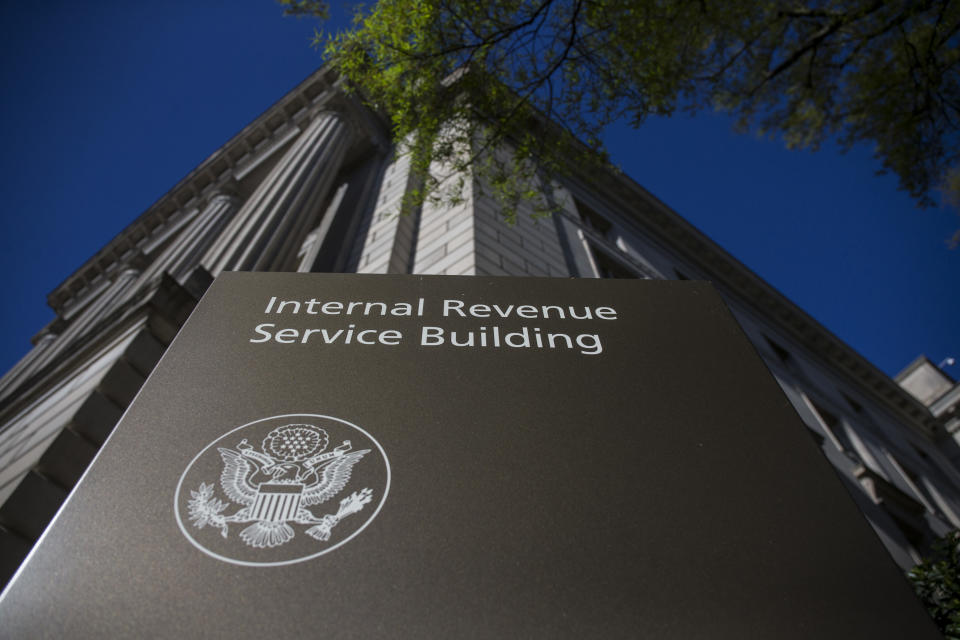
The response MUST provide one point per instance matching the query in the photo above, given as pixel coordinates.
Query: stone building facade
(314, 185)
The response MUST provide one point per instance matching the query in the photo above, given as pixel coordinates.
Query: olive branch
(204, 509)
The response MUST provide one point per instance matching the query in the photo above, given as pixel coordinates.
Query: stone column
(269, 226)
(183, 252)
(201, 234)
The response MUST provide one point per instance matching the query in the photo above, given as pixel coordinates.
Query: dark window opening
(831, 420)
(856, 406)
(610, 268)
(592, 219)
(817, 437)
(835, 427)
(918, 484)
(782, 353)
(915, 536)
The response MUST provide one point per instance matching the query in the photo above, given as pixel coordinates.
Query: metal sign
(413, 457)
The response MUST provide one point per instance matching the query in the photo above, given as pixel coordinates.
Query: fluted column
(183, 252)
(270, 224)
(214, 217)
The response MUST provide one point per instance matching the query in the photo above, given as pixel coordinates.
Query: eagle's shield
(277, 502)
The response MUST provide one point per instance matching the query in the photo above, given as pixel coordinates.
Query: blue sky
(107, 105)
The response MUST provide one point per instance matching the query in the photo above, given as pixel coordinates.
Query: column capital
(223, 198)
(327, 108)
(225, 191)
(46, 339)
(361, 122)
(129, 272)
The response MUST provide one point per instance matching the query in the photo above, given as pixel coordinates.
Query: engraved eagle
(331, 476)
(276, 488)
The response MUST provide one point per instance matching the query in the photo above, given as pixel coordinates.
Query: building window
(834, 429)
(856, 406)
(780, 352)
(607, 267)
(593, 220)
(915, 536)
(914, 481)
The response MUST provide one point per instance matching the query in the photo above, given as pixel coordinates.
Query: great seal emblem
(282, 489)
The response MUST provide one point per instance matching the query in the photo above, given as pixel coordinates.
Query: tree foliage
(874, 71)
(937, 582)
